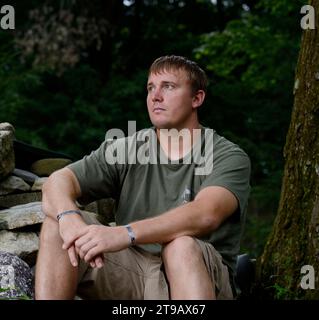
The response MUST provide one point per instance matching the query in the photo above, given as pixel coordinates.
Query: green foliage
(250, 63)
(251, 68)
(18, 86)
(257, 229)
(282, 8)
(280, 292)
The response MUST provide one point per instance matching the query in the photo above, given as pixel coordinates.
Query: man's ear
(198, 98)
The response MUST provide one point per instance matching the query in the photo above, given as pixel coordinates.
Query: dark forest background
(73, 69)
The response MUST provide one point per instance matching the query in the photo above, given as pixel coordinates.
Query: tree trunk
(294, 240)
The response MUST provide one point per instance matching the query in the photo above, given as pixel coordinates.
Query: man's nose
(157, 95)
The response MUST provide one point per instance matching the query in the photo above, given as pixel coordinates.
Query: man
(177, 230)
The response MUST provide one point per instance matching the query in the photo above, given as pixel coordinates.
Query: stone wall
(7, 161)
(21, 215)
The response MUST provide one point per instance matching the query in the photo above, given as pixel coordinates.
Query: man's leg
(186, 270)
(55, 277)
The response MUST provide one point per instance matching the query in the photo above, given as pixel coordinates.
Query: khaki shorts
(136, 274)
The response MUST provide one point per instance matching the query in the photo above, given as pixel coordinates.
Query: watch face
(130, 233)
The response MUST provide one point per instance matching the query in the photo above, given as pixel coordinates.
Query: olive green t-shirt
(131, 171)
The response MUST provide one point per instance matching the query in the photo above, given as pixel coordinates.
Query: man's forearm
(59, 193)
(189, 219)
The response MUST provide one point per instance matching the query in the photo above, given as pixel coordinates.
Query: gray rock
(6, 126)
(7, 160)
(92, 207)
(22, 244)
(27, 176)
(11, 200)
(12, 184)
(21, 215)
(44, 167)
(16, 278)
(38, 183)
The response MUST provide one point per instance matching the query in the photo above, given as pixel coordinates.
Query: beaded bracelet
(60, 215)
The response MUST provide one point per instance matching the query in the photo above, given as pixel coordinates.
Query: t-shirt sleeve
(97, 177)
(231, 170)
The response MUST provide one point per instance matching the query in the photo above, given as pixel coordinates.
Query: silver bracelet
(130, 234)
(60, 215)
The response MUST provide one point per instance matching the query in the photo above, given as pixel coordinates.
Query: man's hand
(93, 240)
(70, 227)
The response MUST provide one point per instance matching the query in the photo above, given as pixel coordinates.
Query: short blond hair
(196, 75)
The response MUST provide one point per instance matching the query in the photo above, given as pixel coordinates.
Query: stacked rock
(21, 215)
(6, 149)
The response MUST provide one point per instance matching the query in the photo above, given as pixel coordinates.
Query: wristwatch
(130, 234)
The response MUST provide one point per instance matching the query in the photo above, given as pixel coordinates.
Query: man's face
(170, 100)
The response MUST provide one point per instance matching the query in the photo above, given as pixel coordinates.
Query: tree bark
(294, 240)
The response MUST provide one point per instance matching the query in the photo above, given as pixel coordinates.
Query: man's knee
(181, 251)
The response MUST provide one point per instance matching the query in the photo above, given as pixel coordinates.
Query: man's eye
(169, 86)
(149, 89)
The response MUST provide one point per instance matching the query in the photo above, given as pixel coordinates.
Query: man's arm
(59, 194)
(209, 209)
